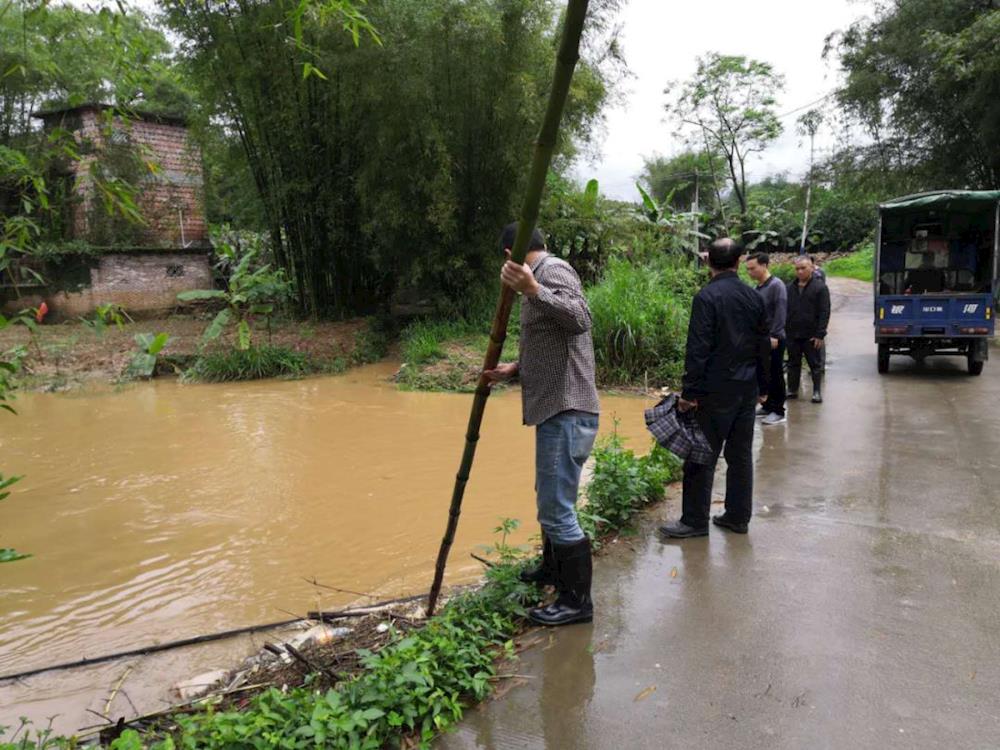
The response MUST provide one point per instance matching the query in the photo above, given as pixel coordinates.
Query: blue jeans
(562, 444)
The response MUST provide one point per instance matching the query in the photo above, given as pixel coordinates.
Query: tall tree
(729, 103)
(923, 78)
(684, 175)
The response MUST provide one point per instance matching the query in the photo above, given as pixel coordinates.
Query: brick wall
(171, 200)
(142, 283)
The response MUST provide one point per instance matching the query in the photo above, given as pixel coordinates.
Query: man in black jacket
(805, 327)
(726, 364)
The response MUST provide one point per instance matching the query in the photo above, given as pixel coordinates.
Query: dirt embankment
(64, 355)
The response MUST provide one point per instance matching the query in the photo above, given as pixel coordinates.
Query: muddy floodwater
(162, 511)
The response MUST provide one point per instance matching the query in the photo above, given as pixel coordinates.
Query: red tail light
(893, 329)
(977, 331)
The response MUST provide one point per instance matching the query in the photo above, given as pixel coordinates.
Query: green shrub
(843, 225)
(784, 271)
(858, 265)
(371, 343)
(424, 340)
(640, 316)
(250, 364)
(622, 483)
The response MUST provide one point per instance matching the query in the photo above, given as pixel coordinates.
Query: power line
(806, 106)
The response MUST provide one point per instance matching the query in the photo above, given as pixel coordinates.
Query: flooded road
(165, 511)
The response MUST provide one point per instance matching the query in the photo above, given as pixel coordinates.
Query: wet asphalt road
(862, 610)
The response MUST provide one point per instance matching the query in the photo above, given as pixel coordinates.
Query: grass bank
(62, 356)
(858, 265)
(640, 314)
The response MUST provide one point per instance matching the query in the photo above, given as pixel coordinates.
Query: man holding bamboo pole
(559, 398)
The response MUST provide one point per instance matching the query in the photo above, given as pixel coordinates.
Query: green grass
(858, 265)
(447, 355)
(425, 340)
(254, 363)
(640, 315)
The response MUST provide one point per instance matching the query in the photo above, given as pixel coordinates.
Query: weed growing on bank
(622, 484)
(640, 316)
(415, 687)
(858, 265)
(254, 363)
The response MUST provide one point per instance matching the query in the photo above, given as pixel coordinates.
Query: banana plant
(249, 293)
(143, 362)
(683, 224)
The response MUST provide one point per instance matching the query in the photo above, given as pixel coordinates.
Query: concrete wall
(142, 283)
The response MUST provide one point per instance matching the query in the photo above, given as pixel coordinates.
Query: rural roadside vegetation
(384, 240)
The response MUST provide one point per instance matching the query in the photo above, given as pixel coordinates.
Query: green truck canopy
(954, 200)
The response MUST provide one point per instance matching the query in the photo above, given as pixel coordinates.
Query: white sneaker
(774, 419)
(762, 412)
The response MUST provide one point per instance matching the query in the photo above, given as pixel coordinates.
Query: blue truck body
(936, 276)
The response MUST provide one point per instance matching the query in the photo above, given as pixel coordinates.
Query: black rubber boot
(545, 573)
(817, 388)
(793, 383)
(574, 570)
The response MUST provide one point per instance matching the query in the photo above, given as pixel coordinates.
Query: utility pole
(809, 123)
(694, 212)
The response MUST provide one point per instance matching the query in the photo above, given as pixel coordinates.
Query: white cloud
(661, 41)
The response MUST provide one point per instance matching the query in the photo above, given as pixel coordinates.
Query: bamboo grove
(400, 160)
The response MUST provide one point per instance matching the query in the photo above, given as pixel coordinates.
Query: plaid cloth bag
(678, 432)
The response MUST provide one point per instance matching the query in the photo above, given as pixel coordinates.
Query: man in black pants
(805, 326)
(726, 365)
(775, 297)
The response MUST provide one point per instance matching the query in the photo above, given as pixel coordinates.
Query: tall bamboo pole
(569, 53)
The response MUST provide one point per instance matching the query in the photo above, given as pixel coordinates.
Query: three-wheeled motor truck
(936, 275)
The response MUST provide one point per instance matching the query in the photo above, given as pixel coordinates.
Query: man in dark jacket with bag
(726, 365)
(805, 327)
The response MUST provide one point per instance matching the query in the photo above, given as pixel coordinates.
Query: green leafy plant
(640, 315)
(105, 316)
(622, 483)
(371, 343)
(251, 291)
(248, 364)
(143, 363)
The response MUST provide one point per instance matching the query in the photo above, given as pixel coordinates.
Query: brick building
(141, 266)
(160, 159)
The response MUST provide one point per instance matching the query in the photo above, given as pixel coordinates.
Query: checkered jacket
(678, 431)
(557, 353)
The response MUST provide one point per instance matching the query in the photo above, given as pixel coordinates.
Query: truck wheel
(883, 358)
(975, 367)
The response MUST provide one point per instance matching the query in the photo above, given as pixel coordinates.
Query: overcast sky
(661, 41)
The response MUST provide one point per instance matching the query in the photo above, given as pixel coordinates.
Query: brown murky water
(165, 511)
